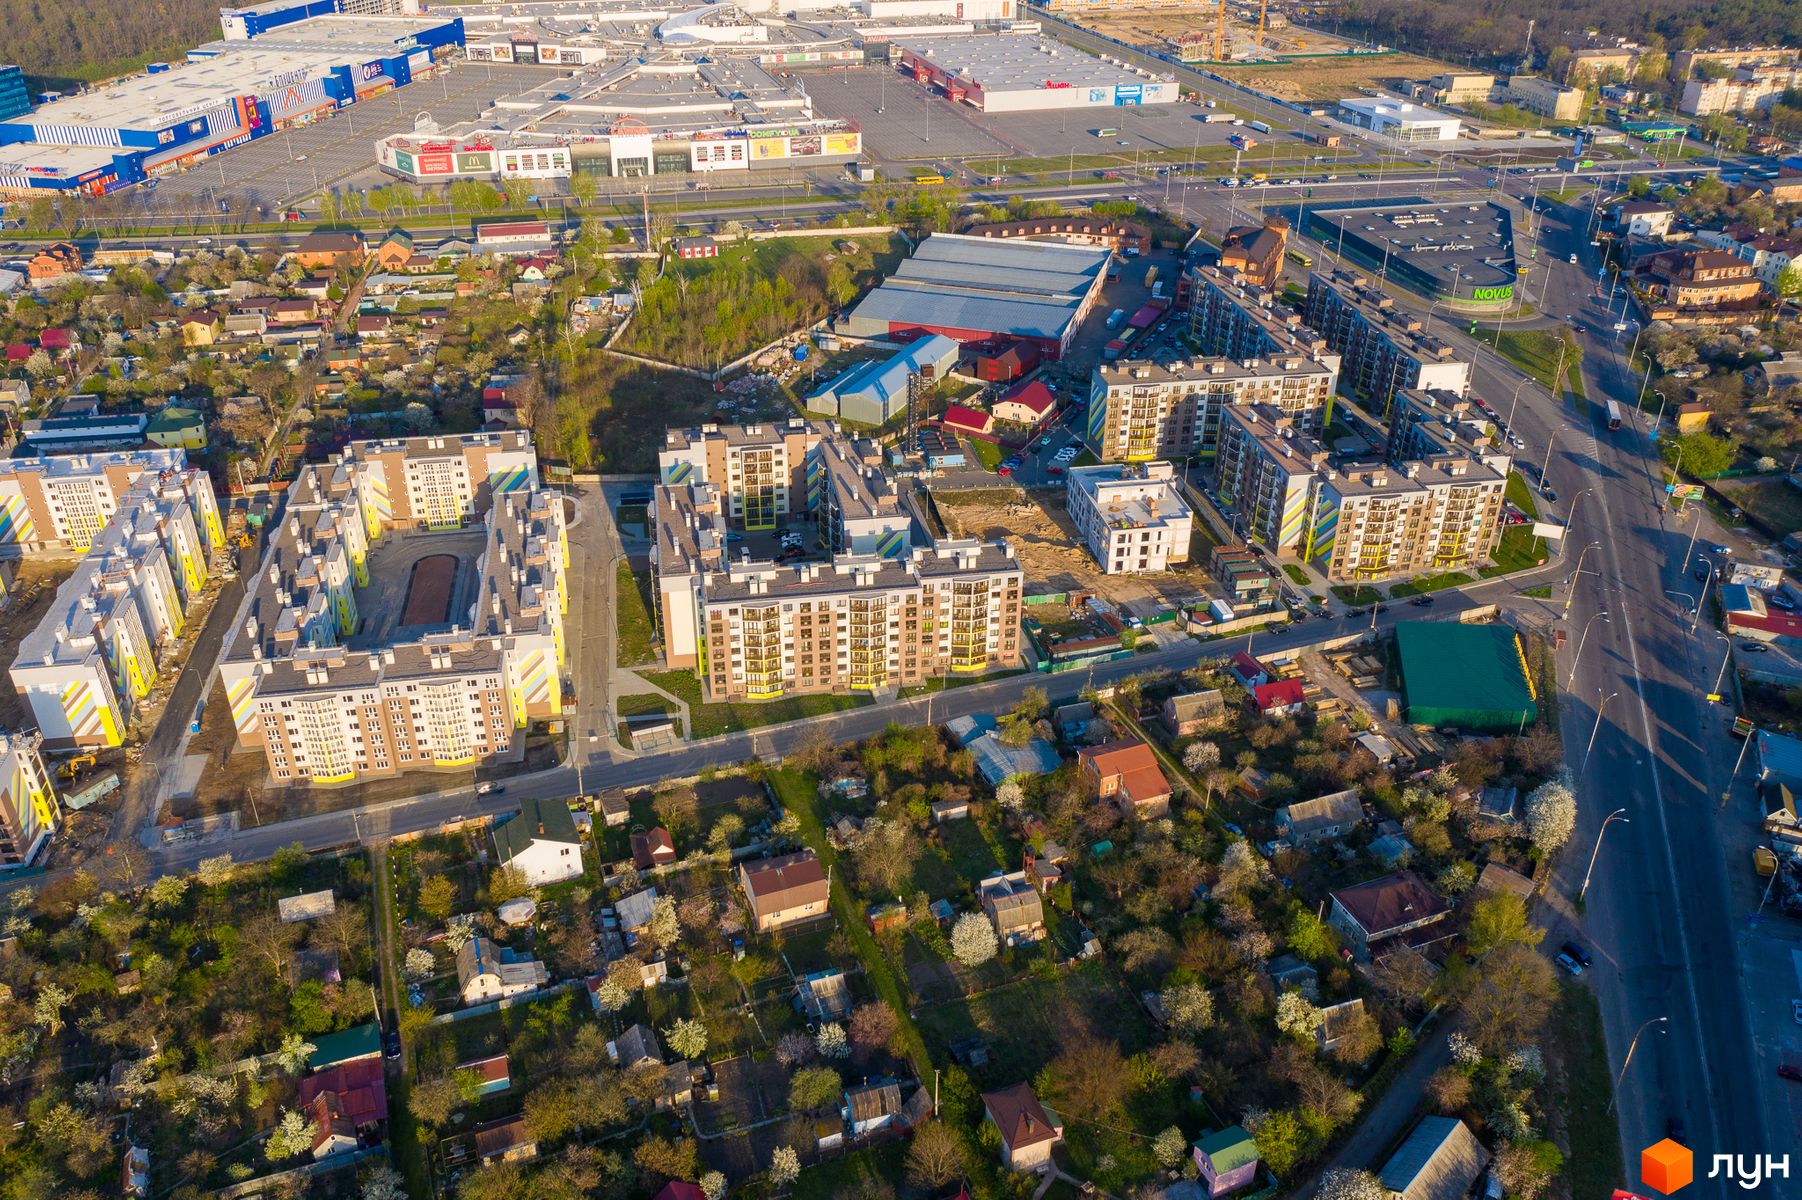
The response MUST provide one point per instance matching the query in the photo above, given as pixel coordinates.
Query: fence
(277, 1184)
(505, 1002)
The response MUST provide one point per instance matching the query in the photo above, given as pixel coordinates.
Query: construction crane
(1220, 34)
(1263, 8)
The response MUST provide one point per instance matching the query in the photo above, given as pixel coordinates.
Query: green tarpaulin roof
(1469, 676)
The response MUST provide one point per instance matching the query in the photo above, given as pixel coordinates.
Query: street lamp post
(1512, 404)
(1601, 707)
(1721, 675)
(1571, 678)
(1551, 440)
(1619, 814)
(1628, 1061)
(1707, 582)
(1737, 763)
(1571, 587)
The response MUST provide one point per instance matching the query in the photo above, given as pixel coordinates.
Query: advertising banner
(769, 148)
(842, 143)
(475, 161)
(437, 164)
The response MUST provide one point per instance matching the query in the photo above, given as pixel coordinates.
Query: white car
(1067, 454)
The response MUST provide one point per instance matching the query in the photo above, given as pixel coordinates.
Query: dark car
(1577, 952)
(391, 1043)
(1382, 608)
(1700, 574)
(1787, 1071)
(1549, 494)
(1422, 601)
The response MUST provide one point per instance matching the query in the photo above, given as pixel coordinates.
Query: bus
(1301, 258)
(1614, 415)
(1107, 133)
(928, 180)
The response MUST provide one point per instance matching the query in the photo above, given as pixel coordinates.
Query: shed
(1440, 1160)
(307, 906)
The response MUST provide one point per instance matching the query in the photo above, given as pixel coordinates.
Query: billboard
(769, 148)
(437, 164)
(843, 143)
(474, 161)
(403, 161)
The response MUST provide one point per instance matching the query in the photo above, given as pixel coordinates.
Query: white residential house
(542, 842)
(487, 972)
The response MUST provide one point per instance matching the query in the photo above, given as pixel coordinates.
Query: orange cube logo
(1667, 1166)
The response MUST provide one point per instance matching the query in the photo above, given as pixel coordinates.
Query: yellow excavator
(73, 766)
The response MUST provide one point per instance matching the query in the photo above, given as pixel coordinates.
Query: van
(1115, 317)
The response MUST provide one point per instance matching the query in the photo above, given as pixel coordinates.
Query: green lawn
(1520, 495)
(947, 682)
(709, 720)
(1517, 551)
(987, 453)
(1542, 592)
(1535, 351)
(1296, 575)
(632, 646)
(1429, 583)
(1576, 1032)
(1360, 595)
(643, 704)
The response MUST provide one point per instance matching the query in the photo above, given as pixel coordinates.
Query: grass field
(1296, 575)
(1328, 78)
(1542, 592)
(633, 645)
(1429, 583)
(988, 454)
(1774, 502)
(1517, 551)
(1361, 594)
(1536, 351)
(1520, 495)
(1582, 1087)
(710, 720)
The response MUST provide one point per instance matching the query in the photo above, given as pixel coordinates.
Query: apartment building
(854, 503)
(761, 470)
(329, 697)
(1422, 424)
(1132, 517)
(1265, 474)
(861, 623)
(1457, 88)
(1384, 349)
(1361, 521)
(89, 664)
(63, 501)
(442, 482)
(1231, 316)
(1143, 410)
(1377, 521)
(1750, 89)
(1698, 279)
(28, 810)
(1594, 62)
(1543, 97)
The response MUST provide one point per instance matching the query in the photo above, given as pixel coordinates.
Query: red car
(1788, 1071)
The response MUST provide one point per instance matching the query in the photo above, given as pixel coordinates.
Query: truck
(1115, 317)
(1151, 274)
(1218, 118)
(1261, 126)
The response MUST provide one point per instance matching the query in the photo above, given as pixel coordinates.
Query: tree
(1281, 1141)
(1449, 1089)
(1508, 996)
(507, 883)
(1701, 455)
(832, 1042)
(1190, 1007)
(785, 1166)
(670, 1159)
(886, 856)
(1170, 1147)
(1011, 796)
(420, 964)
(1789, 282)
(1349, 1183)
(1498, 919)
(168, 891)
(434, 1100)
(713, 1186)
(678, 809)
(1359, 1040)
(813, 1087)
(1526, 1168)
(1201, 757)
(935, 1159)
(1297, 1017)
(47, 1008)
(293, 1135)
(437, 896)
(873, 1026)
(687, 1037)
(665, 927)
(1090, 1077)
(1310, 937)
(973, 939)
(383, 1182)
(214, 872)
(793, 1049)
(294, 1053)
(1552, 813)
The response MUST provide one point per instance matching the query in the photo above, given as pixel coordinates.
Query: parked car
(1795, 1011)
(1422, 601)
(490, 789)
(1577, 952)
(1570, 964)
(1789, 1072)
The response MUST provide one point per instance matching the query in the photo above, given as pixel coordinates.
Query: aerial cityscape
(901, 600)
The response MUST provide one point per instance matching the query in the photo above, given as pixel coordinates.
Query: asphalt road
(1661, 914)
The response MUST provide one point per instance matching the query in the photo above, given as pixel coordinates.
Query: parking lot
(904, 123)
(278, 170)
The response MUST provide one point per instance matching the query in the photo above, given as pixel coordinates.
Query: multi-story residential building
(859, 624)
(1699, 279)
(1685, 62)
(1643, 218)
(1142, 410)
(1132, 517)
(330, 697)
(61, 502)
(1361, 521)
(1769, 253)
(28, 809)
(761, 470)
(89, 664)
(1376, 521)
(1422, 424)
(1543, 97)
(1265, 474)
(853, 501)
(1595, 62)
(1233, 317)
(1384, 348)
(1751, 89)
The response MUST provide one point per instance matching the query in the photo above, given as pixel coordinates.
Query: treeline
(62, 43)
(1496, 30)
